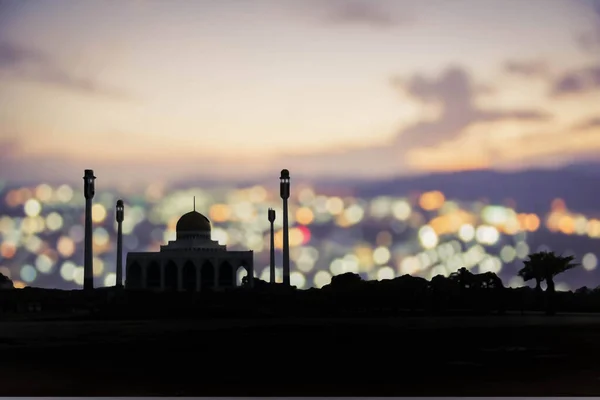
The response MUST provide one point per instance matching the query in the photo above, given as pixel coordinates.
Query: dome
(193, 222)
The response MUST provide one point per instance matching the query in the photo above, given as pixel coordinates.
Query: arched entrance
(153, 275)
(134, 276)
(226, 277)
(171, 276)
(240, 274)
(189, 277)
(207, 276)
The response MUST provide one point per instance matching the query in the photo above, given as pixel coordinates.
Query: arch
(226, 275)
(241, 272)
(171, 278)
(153, 275)
(134, 276)
(189, 277)
(207, 275)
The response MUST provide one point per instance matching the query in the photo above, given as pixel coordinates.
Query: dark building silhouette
(272, 250)
(193, 262)
(88, 266)
(284, 191)
(120, 214)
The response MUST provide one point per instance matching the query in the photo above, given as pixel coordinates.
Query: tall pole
(272, 264)
(120, 215)
(284, 189)
(88, 266)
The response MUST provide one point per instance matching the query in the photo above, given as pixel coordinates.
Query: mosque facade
(193, 262)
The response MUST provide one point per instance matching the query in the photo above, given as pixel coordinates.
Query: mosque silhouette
(193, 262)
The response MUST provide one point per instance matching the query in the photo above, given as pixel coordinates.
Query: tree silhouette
(5, 282)
(533, 269)
(544, 266)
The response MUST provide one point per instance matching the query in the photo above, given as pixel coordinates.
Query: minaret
(120, 216)
(272, 264)
(88, 266)
(284, 191)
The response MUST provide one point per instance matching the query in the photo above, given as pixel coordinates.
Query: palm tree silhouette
(544, 266)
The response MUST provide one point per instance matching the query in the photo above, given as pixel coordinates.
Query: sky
(142, 90)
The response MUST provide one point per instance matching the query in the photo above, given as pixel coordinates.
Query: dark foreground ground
(458, 356)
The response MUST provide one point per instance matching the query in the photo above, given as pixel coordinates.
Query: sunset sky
(150, 90)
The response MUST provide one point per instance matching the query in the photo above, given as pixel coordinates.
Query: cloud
(363, 13)
(528, 69)
(455, 91)
(577, 81)
(590, 41)
(591, 123)
(32, 65)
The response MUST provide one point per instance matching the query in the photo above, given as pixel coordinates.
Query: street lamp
(284, 191)
(88, 192)
(119, 216)
(272, 263)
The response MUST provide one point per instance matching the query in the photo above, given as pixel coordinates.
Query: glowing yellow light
(487, 234)
(258, 194)
(67, 270)
(296, 237)
(522, 250)
(532, 222)
(428, 237)
(297, 279)
(566, 225)
(306, 196)
(508, 254)
(44, 263)
(220, 235)
(385, 273)
(581, 225)
(381, 255)
(431, 200)
(98, 213)
(98, 267)
(217, 213)
(558, 205)
(43, 192)
(304, 216)
(494, 215)
(65, 246)
(54, 221)
(78, 276)
(334, 205)
(19, 284)
(466, 232)
(64, 193)
(110, 279)
(354, 214)
(593, 228)
(13, 198)
(321, 279)
(589, 262)
(32, 208)
(410, 266)
(8, 249)
(401, 210)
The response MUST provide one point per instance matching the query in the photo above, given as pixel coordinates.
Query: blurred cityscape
(423, 234)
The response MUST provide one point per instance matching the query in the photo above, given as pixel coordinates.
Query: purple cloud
(527, 69)
(456, 92)
(590, 41)
(32, 65)
(579, 81)
(589, 124)
(363, 13)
